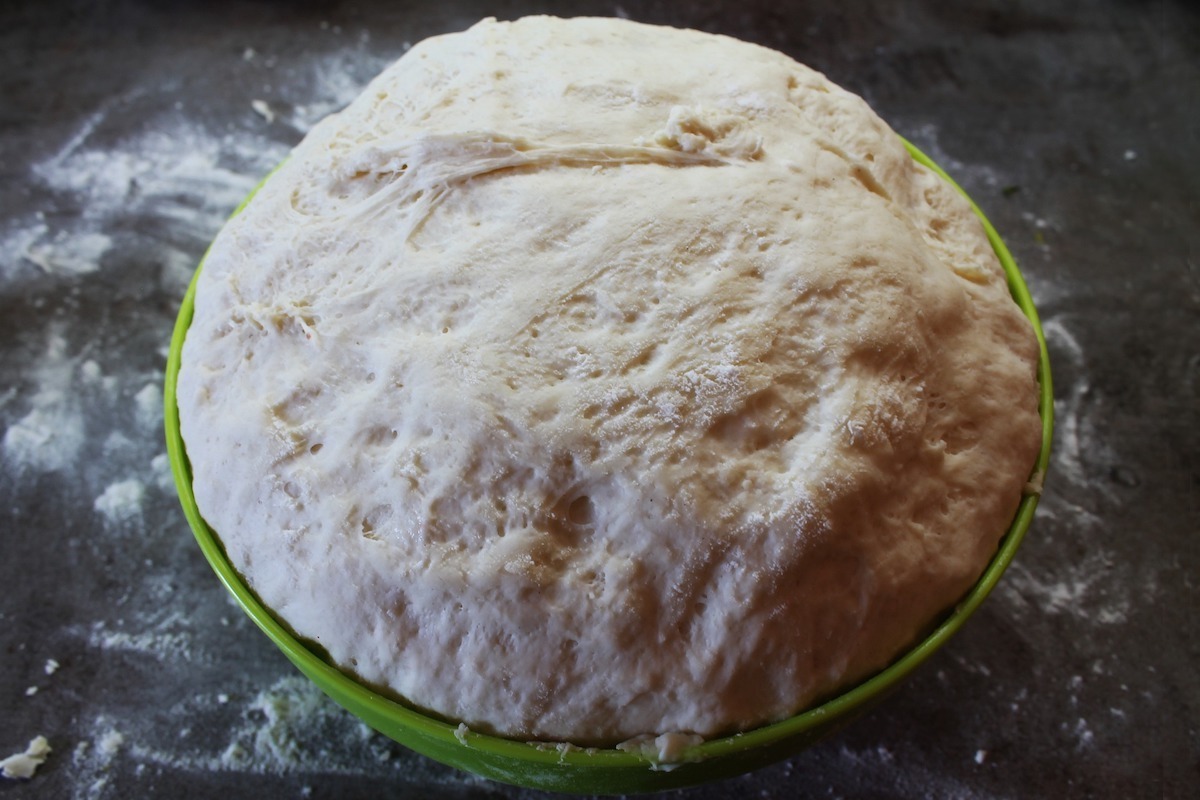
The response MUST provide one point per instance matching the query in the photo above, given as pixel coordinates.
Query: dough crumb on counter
(22, 766)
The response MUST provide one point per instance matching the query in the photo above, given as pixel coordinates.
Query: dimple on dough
(585, 380)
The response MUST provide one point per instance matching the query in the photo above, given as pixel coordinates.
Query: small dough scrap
(585, 380)
(23, 765)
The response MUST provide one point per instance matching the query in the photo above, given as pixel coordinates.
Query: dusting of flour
(49, 437)
(122, 500)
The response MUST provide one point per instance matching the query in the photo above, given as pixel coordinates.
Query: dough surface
(585, 380)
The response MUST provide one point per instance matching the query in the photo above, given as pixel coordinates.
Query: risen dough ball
(586, 379)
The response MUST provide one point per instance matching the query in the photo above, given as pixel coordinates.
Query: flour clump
(586, 380)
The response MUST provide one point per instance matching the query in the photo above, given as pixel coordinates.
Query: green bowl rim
(842, 706)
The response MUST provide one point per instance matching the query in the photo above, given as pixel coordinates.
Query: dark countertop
(129, 131)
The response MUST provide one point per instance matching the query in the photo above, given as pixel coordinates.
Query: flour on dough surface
(586, 380)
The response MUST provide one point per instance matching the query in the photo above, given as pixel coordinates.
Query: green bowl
(605, 771)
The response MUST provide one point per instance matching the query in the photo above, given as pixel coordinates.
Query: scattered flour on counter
(1048, 291)
(93, 759)
(1082, 452)
(49, 437)
(174, 172)
(118, 442)
(110, 743)
(1060, 337)
(1093, 589)
(19, 239)
(92, 376)
(160, 473)
(1078, 444)
(178, 267)
(24, 765)
(64, 254)
(908, 777)
(62, 406)
(177, 175)
(53, 435)
(164, 640)
(288, 728)
(1084, 737)
(121, 501)
(149, 405)
(284, 728)
(1097, 587)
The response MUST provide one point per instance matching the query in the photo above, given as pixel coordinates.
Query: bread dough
(585, 380)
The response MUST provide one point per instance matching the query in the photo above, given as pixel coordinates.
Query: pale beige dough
(586, 380)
